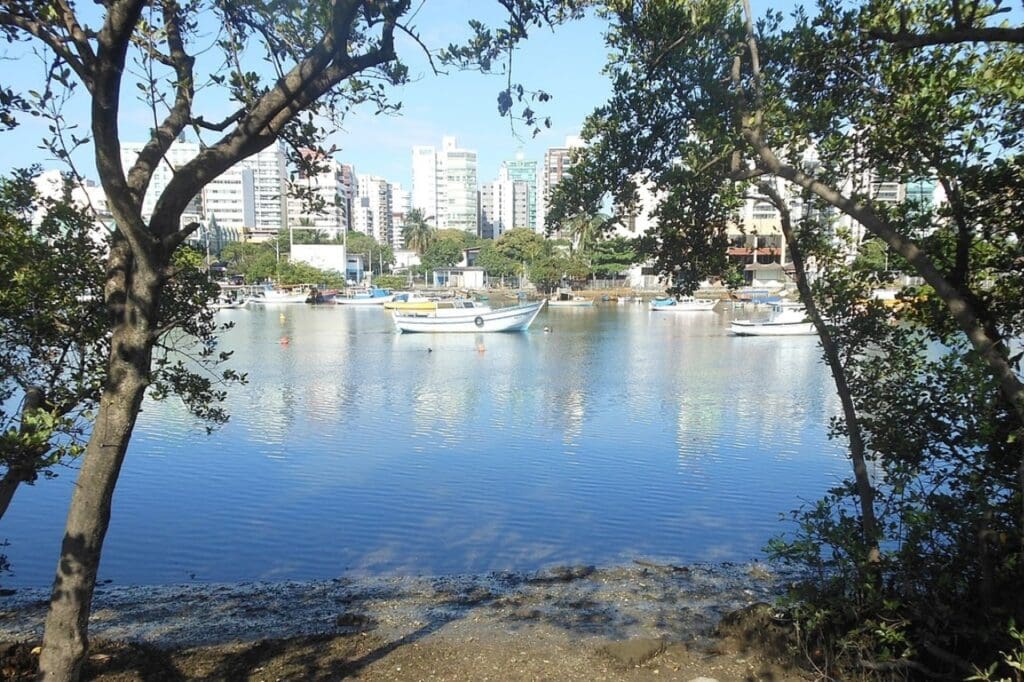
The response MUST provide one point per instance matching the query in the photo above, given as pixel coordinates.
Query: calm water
(356, 450)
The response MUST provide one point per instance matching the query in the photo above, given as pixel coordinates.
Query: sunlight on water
(353, 449)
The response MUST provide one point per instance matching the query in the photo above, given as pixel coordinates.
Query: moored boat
(371, 296)
(567, 299)
(270, 296)
(683, 304)
(464, 316)
(410, 300)
(784, 321)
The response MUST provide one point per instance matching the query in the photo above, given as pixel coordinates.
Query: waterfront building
(176, 156)
(362, 216)
(350, 182)
(444, 185)
(557, 162)
(521, 170)
(425, 181)
(249, 196)
(401, 204)
(377, 193)
(319, 200)
(504, 205)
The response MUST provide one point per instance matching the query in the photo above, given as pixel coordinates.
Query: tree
(522, 245)
(612, 256)
(323, 58)
(374, 254)
(417, 234)
(442, 253)
(53, 340)
(709, 110)
(547, 273)
(495, 264)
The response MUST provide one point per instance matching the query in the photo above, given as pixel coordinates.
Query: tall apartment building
(424, 182)
(250, 196)
(179, 154)
(523, 171)
(557, 162)
(444, 185)
(362, 215)
(377, 192)
(319, 200)
(401, 204)
(504, 205)
(350, 181)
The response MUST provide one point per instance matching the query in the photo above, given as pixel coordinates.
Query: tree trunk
(65, 642)
(858, 456)
(24, 468)
(132, 297)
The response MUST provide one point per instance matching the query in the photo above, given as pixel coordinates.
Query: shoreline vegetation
(625, 622)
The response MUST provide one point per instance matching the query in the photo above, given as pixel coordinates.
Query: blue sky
(566, 63)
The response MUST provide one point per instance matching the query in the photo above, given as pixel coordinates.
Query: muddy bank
(562, 623)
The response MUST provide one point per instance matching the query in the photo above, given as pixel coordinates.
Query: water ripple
(354, 449)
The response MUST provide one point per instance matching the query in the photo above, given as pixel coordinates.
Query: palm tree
(585, 230)
(417, 234)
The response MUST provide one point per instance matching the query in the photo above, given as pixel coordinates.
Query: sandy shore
(625, 622)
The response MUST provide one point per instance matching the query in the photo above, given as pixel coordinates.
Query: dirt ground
(641, 622)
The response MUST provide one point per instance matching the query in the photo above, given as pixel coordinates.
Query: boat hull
(772, 329)
(695, 306)
(277, 298)
(571, 304)
(375, 301)
(512, 319)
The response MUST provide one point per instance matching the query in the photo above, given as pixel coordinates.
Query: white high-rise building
(248, 196)
(504, 205)
(176, 156)
(424, 182)
(377, 192)
(362, 216)
(401, 204)
(444, 185)
(319, 201)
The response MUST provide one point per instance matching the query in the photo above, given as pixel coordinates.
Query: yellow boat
(410, 301)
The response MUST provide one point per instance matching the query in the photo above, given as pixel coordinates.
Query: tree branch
(327, 65)
(952, 36)
(52, 40)
(178, 117)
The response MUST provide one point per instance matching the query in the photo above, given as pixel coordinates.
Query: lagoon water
(354, 450)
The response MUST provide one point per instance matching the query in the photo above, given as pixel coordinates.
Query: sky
(566, 63)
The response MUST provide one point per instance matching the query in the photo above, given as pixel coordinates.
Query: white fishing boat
(271, 296)
(684, 304)
(784, 321)
(464, 316)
